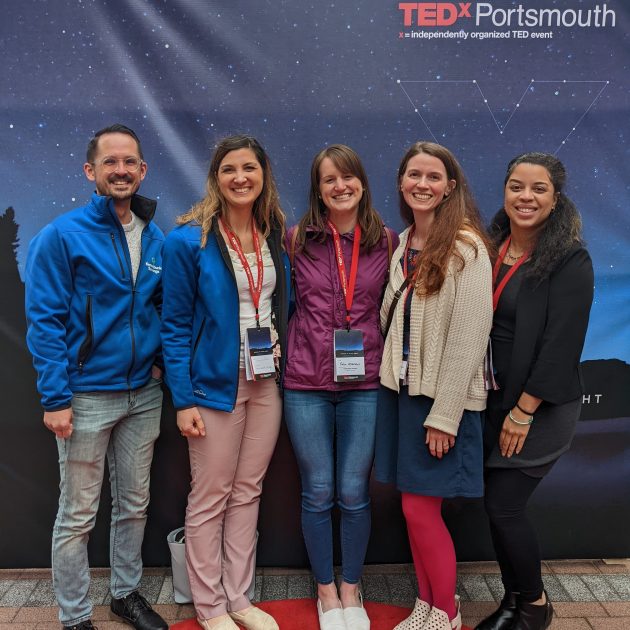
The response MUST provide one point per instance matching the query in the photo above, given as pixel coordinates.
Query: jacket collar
(314, 230)
(142, 207)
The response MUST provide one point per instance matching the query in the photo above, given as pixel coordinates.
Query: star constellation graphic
(528, 90)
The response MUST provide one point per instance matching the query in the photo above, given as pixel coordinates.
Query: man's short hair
(116, 128)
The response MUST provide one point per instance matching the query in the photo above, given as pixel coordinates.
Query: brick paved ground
(587, 594)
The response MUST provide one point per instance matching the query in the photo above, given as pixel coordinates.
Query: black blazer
(551, 321)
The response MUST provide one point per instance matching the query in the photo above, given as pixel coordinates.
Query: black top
(537, 342)
(411, 264)
(549, 331)
(504, 322)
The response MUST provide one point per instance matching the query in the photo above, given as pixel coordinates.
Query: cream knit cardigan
(448, 336)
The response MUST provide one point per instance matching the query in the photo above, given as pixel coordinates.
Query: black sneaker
(136, 611)
(84, 625)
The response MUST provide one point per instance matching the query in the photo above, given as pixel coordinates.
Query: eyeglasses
(110, 164)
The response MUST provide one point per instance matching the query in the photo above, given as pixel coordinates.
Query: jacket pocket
(197, 340)
(86, 345)
(120, 262)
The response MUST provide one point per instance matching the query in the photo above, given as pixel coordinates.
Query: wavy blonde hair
(267, 211)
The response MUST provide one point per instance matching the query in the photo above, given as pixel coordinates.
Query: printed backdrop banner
(487, 79)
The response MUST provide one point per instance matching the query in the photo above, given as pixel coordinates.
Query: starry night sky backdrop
(299, 75)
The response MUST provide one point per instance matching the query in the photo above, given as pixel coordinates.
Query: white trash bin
(181, 584)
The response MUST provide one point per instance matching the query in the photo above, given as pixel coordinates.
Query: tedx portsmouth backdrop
(487, 79)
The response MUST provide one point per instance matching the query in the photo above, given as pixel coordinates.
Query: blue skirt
(403, 458)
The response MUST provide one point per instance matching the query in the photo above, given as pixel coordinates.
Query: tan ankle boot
(416, 619)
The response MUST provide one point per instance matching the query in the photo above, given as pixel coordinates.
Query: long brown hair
(267, 211)
(347, 161)
(455, 216)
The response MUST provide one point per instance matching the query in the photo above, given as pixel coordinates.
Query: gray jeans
(123, 427)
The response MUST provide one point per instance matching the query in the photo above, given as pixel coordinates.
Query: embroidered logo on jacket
(152, 267)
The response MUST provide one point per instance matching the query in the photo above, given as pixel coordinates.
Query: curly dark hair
(560, 231)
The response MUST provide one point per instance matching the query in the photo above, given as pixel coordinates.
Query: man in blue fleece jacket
(93, 301)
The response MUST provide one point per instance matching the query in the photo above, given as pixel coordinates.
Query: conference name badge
(404, 370)
(489, 381)
(349, 355)
(259, 363)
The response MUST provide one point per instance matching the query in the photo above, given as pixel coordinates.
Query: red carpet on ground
(301, 614)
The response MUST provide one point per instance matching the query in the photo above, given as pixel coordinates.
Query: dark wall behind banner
(300, 75)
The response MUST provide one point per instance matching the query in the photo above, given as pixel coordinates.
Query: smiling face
(340, 191)
(529, 197)
(240, 179)
(117, 181)
(424, 184)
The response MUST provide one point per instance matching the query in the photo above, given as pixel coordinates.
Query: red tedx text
(433, 13)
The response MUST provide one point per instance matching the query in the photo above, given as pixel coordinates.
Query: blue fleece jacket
(200, 320)
(89, 327)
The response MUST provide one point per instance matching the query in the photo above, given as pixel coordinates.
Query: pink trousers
(228, 466)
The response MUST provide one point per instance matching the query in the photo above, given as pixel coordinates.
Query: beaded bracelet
(521, 422)
(527, 413)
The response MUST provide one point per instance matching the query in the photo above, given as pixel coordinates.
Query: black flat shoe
(136, 611)
(503, 618)
(84, 625)
(533, 617)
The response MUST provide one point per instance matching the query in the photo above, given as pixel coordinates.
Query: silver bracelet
(521, 422)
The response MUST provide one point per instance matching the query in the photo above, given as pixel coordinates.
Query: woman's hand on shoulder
(439, 442)
(190, 423)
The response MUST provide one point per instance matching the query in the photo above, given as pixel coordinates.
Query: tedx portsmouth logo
(485, 20)
(434, 13)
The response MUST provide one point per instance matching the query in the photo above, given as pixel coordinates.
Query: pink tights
(432, 550)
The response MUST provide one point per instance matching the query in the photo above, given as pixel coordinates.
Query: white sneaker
(418, 616)
(355, 616)
(332, 619)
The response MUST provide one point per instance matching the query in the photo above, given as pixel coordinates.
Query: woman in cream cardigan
(429, 427)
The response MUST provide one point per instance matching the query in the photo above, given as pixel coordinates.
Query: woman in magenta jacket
(340, 251)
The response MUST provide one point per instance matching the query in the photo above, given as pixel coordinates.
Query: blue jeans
(123, 427)
(322, 424)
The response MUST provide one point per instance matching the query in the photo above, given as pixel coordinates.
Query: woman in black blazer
(543, 289)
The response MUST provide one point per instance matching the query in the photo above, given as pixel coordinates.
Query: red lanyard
(255, 289)
(348, 287)
(496, 294)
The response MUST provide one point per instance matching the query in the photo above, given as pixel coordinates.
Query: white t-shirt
(133, 233)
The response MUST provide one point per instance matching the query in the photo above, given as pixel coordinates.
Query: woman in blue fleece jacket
(226, 282)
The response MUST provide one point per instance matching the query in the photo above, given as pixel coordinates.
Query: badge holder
(259, 363)
(489, 381)
(404, 371)
(349, 355)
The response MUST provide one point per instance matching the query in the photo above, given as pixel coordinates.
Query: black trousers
(507, 492)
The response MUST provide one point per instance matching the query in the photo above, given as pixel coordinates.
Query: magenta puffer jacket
(320, 309)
